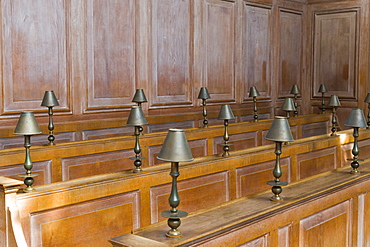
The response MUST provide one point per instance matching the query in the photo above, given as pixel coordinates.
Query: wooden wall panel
(236, 141)
(285, 236)
(312, 129)
(334, 58)
(218, 49)
(262, 241)
(312, 163)
(252, 178)
(106, 133)
(111, 215)
(256, 49)
(201, 192)
(34, 46)
(291, 49)
(333, 221)
(89, 165)
(110, 53)
(171, 42)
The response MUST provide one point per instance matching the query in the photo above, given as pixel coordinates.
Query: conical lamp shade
(136, 117)
(226, 113)
(334, 101)
(280, 130)
(27, 124)
(323, 89)
(175, 147)
(49, 99)
(203, 94)
(367, 99)
(139, 96)
(288, 105)
(253, 92)
(295, 89)
(356, 118)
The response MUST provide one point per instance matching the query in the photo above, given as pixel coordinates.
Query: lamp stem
(295, 105)
(51, 137)
(28, 181)
(355, 151)
(255, 109)
(205, 121)
(334, 122)
(174, 199)
(137, 150)
(277, 169)
(277, 172)
(322, 103)
(226, 147)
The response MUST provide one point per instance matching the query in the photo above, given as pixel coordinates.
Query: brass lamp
(334, 103)
(175, 149)
(50, 101)
(253, 92)
(288, 106)
(322, 90)
(356, 119)
(226, 114)
(295, 91)
(139, 97)
(27, 126)
(367, 100)
(279, 132)
(137, 119)
(204, 95)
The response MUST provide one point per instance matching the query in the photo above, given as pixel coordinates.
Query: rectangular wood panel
(335, 53)
(256, 49)
(110, 53)
(171, 51)
(291, 45)
(218, 48)
(35, 50)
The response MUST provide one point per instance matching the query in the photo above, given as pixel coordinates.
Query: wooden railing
(74, 160)
(120, 202)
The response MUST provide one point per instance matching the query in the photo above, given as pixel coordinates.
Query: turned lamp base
(276, 189)
(174, 222)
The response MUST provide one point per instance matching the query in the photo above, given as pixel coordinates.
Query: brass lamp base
(28, 181)
(355, 165)
(137, 163)
(276, 189)
(174, 222)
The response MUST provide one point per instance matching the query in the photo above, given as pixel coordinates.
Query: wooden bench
(121, 202)
(74, 160)
(329, 209)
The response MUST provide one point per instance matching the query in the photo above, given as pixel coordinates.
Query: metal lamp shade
(49, 99)
(367, 99)
(253, 92)
(288, 105)
(203, 94)
(280, 130)
(356, 118)
(136, 117)
(139, 96)
(295, 89)
(175, 147)
(323, 89)
(334, 101)
(225, 113)
(27, 124)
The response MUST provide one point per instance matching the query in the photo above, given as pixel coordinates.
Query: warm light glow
(342, 138)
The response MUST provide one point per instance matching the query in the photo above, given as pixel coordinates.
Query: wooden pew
(329, 209)
(79, 130)
(120, 202)
(92, 157)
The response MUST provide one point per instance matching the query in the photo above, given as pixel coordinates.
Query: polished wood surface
(123, 201)
(324, 210)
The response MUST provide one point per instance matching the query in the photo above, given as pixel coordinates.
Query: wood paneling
(34, 46)
(110, 53)
(218, 48)
(171, 42)
(291, 49)
(257, 49)
(56, 227)
(203, 192)
(335, 52)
